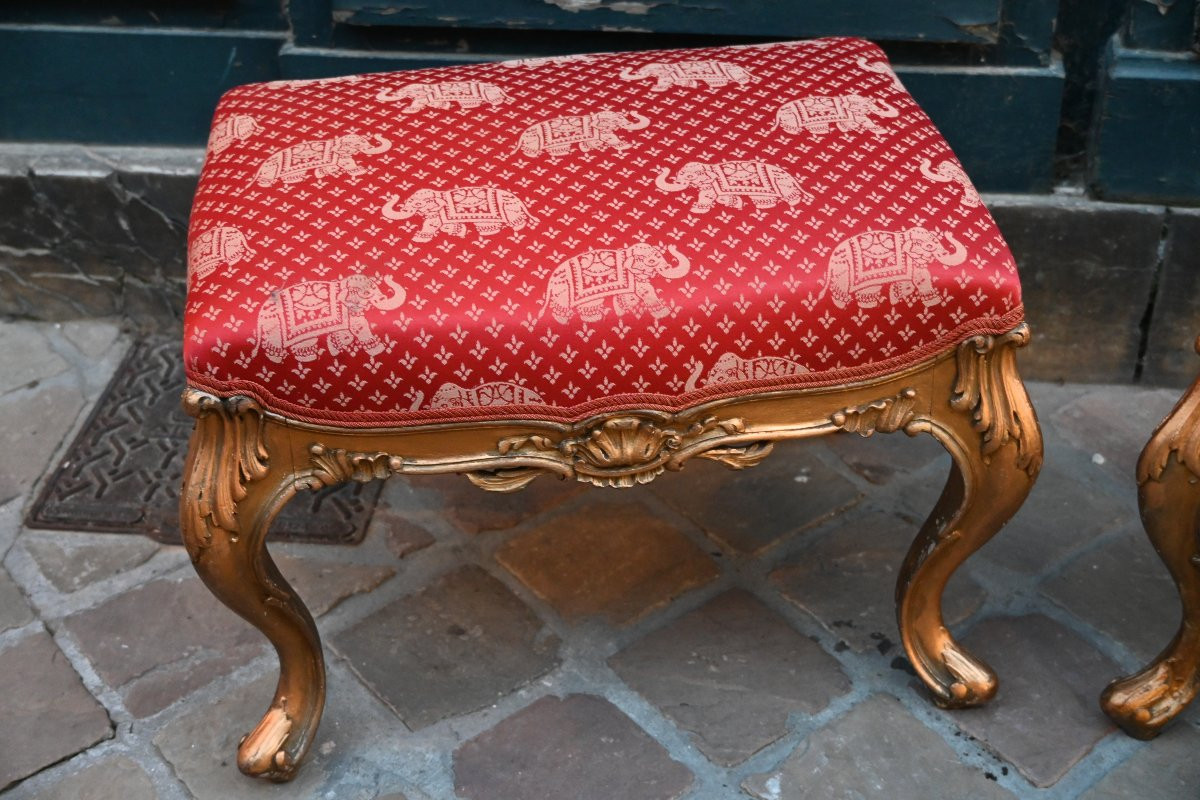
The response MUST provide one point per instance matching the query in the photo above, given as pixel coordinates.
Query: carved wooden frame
(1168, 477)
(245, 462)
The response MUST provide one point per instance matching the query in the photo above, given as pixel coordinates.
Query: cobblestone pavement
(713, 635)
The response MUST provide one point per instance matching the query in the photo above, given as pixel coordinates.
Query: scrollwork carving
(886, 415)
(227, 453)
(990, 390)
(332, 466)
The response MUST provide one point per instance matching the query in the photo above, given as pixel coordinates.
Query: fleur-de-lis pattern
(548, 240)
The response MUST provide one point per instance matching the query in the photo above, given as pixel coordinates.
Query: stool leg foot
(967, 515)
(994, 439)
(230, 496)
(1169, 496)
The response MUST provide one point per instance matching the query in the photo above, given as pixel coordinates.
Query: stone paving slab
(460, 501)
(731, 673)
(165, 639)
(884, 458)
(1046, 716)
(201, 744)
(847, 581)
(116, 778)
(46, 714)
(877, 750)
(1064, 510)
(46, 379)
(1123, 589)
(1115, 425)
(1167, 770)
(72, 564)
(14, 611)
(749, 510)
(162, 641)
(460, 644)
(617, 560)
(581, 747)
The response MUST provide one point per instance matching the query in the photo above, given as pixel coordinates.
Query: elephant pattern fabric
(728, 182)
(235, 128)
(819, 114)
(594, 131)
(318, 159)
(223, 245)
(559, 237)
(487, 208)
(467, 94)
(689, 74)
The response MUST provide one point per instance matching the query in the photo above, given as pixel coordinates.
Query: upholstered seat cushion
(558, 237)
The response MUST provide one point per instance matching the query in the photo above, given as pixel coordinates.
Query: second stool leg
(1169, 497)
(992, 434)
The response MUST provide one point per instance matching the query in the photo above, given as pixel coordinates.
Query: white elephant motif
(727, 182)
(881, 68)
(848, 112)
(325, 157)
(861, 266)
(544, 60)
(622, 277)
(487, 208)
(234, 128)
(950, 172)
(468, 94)
(731, 367)
(688, 74)
(295, 317)
(223, 244)
(496, 393)
(594, 131)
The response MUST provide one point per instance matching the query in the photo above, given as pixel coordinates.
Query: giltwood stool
(1168, 477)
(594, 267)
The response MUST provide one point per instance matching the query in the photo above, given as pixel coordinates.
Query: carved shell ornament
(622, 451)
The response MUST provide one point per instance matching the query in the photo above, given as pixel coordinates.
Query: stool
(594, 267)
(1168, 478)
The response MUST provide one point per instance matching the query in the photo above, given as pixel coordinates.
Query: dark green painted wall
(1029, 92)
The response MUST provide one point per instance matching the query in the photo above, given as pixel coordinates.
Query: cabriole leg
(1169, 496)
(992, 434)
(231, 493)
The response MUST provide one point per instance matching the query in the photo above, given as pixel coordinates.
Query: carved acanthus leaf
(1179, 433)
(227, 453)
(989, 389)
(886, 415)
(332, 466)
(740, 456)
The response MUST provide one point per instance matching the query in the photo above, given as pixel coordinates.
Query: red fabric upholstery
(558, 237)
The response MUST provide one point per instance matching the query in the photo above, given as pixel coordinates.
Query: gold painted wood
(1168, 475)
(244, 463)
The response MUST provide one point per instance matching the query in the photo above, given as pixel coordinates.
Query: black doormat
(123, 471)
